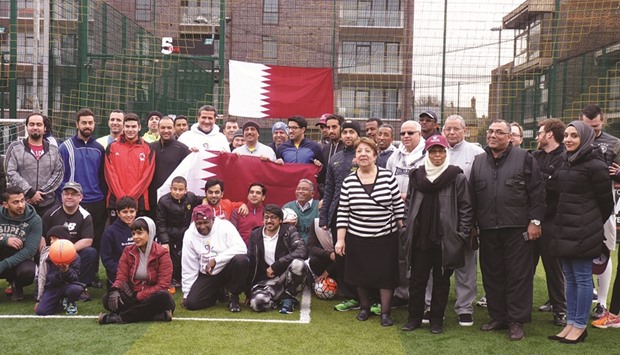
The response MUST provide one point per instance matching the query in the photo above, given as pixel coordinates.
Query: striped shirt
(373, 215)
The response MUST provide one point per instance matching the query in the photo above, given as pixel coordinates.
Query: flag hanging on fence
(269, 91)
(238, 172)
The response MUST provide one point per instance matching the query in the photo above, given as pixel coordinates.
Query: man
(83, 160)
(181, 125)
(372, 127)
(610, 151)
(409, 155)
(230, 127)
(34, 166)
(305, 207)
(550, 156)
(20, 236)
(279, 134)
(205, 134)
(333, 146)
(516, 134)
(429, 123)
(339, 167)
(507, 213)
(462, 154)
(152, 122)
(238, 139)
(299, 149)
(252, 146)
(277, 255)
(115, 123)
(253, 219)
(80, 225)
(222, 208)
(129, 166)
(385, 137)
(169, 153)
(322, 124)
(214, 257)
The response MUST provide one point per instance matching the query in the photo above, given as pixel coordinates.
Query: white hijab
(433, 171)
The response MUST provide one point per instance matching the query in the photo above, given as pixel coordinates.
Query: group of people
(390, 224)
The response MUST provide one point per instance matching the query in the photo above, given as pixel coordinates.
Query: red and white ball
(326, 289)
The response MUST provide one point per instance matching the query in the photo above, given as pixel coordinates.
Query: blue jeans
(578, 275)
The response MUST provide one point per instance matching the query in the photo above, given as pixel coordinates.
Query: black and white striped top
(366, 216)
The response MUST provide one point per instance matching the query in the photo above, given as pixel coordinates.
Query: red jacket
(159, 269)
(129, 169)
(225, 207)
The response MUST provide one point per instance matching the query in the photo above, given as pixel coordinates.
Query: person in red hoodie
(254, 217)
(129, 166)
(222, 208)
(140, 292)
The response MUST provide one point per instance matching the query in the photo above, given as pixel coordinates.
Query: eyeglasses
(270, 218)
(515, 135)
(293, 128)
(498, 133)
(409, 133)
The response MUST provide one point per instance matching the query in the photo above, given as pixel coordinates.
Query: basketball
(326, 289)
(62, 252)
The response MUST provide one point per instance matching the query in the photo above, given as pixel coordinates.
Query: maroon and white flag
(238, 172)
(269, 91)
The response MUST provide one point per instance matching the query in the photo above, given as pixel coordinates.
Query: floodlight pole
(499, 70)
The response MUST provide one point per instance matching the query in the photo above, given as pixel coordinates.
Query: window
(613, 95)
(144, 10)
(369, 102)
(270, 12)
(370, 57)
(270, 50)
(528, 43)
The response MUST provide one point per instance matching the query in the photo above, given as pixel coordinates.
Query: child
(174, 214)
(57, 283)
(117, 236)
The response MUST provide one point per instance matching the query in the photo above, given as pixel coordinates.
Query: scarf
(586, 138)
(429, 230)
(141, 271)
(433, 171)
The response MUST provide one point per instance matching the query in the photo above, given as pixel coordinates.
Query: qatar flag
(238, 172)
(269, 91)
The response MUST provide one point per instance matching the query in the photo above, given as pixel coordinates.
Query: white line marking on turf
(304, 315)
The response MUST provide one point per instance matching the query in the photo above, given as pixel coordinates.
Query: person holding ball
(58, 283)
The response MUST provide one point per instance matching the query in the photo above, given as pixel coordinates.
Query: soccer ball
(326, 289)
(62, 252)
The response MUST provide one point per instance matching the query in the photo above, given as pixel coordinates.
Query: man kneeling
(213, 257)
(277, 255)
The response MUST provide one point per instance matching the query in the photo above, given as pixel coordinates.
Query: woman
(368, 219)
(140, 291)
(440, 215)
(584, 204)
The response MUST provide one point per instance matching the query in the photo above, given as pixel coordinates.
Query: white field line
(304, 315)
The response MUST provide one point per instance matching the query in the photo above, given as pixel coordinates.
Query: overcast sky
(471, 48)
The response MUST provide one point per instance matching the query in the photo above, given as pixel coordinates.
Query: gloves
(126, 290)
(114, 298)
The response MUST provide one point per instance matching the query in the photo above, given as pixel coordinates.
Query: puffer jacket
(159, 269)
(339, 167)
(289, 247)
(585, 203)
(455, 221)
(174, 216)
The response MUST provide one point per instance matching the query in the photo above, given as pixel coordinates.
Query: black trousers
(422, 261)
(176, 246)
(204, 291)
(22, 274)
(506, 265)
(319, 264)
(132, 311)
(99, 214)
(553, 268)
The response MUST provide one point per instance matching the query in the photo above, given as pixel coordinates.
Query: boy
(58, 282)
(174, 215)
(117, 236)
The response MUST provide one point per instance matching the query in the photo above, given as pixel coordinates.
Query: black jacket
(585, 203)
(508, 191)
(289, 247)
(168, 156)
(174, 216)
(455, 219)
(339, 167)
(549, 163)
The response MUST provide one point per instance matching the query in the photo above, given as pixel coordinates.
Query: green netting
(519, 60)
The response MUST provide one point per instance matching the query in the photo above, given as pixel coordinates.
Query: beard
(35, 135)
(85, 133)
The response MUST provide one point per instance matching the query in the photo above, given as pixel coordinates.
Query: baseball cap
(202, 212)
(74, 186)
(430, 114)
(279, 126)
(323, 119)
(436, 139)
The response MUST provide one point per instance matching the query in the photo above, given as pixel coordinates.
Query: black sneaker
(233, 306)
(110, 318)
(96, 284)
(466, 320)
(598, 311)
(163, 317)
(546, 307)
(18, 293)
(559, 318)
(426, 318)
(85, 296)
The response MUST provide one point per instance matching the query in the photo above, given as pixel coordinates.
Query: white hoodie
(401, 162)
(222, 244)
(214, 140)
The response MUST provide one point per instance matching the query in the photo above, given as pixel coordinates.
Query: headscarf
(433, 171)
(586, 138)
(141, 271)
